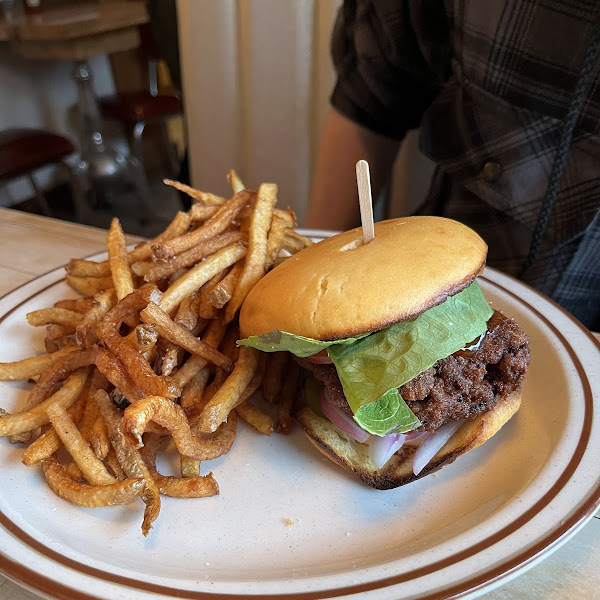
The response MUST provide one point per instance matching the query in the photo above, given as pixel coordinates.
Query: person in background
(507, 97)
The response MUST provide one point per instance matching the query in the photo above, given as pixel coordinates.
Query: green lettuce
(371, 368)
(276, 341)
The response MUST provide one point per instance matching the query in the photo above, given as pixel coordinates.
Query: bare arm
(334, 197)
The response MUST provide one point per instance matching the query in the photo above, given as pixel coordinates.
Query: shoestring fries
(147, 357)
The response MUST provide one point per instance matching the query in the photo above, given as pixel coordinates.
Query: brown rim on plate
(41, 583)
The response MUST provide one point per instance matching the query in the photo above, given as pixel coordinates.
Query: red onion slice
(432, 443)
(340, 419)
(319, 359)
(381, 449)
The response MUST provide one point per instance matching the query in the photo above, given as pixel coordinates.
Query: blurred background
(102, 99)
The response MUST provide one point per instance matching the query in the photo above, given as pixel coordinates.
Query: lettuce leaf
(275, 341)
(372, 367)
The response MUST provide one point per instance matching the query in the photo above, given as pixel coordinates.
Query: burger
(407, 366)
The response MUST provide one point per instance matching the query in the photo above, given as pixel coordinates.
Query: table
(32, 245)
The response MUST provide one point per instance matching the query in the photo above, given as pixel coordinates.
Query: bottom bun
(354, 456)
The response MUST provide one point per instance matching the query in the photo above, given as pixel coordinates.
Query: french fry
(141, 268)
(254, 265)
(57, 335)
(194, 364)
(170, 360)
(143, 338)
(204, 197)
(112, 462)
(89, 286)
(214, 226)
(237, 185)
(46, 316)
(196, 277)
(78, 267)
(176, 334)
(194, 255)
(204, 306)
(171, 417)
(287, 216)
(272, 381)
(80, 305)
(118, 261)
(187, 314)
(30, 367)
(90, 496)
(221, 293)
(99, 438)
(49, 442)
(177, 487)
(18, 422)
(130, 459)
(283, 421)
(87, 268)
(114, 370)
(254, 416)
(102, 303)
(202, 212)
(58, 371)
(294, 242)
(137, 366)
(275, 240)
(191, 394)
(230, 393)
(73, 471)
(60, 344)
(91, 467)
(257, 378)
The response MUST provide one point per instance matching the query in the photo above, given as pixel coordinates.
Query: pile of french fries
(148, 356)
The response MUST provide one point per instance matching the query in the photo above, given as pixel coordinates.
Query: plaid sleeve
(391, 58)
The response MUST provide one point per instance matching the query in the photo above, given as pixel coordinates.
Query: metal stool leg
(39, 195)
(137, 146)
(79, 189)
(137, 176)
(170, 148)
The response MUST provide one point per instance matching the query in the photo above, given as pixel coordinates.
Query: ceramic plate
(289, 525)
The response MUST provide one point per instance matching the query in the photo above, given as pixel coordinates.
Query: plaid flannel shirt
(489, 83)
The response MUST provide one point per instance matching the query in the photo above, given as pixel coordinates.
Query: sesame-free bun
(353, 456)
(341, 287)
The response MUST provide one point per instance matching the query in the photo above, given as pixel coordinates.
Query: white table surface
(31, 245)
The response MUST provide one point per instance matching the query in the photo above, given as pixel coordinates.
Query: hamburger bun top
(341, 287)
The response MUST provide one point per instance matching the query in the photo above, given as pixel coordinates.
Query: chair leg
(170, 148)
(79, 188)
(39, 195)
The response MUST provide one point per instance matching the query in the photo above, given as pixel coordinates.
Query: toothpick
(365, 200)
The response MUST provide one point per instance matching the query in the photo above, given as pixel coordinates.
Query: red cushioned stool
(136, 109)
(22, 151)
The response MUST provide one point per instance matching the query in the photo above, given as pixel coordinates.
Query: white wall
(36, 93)
(257, 76)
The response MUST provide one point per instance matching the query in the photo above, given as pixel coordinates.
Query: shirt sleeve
(391, 59)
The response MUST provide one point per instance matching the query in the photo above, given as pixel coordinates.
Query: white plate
(290, 525)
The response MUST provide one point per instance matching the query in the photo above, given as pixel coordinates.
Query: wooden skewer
(365, 200)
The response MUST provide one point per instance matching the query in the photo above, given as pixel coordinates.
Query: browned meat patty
(460, 386)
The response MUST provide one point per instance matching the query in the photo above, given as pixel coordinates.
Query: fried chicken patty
(461, 386)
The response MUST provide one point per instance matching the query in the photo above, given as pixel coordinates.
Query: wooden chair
(23, 151)
(136, 109)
